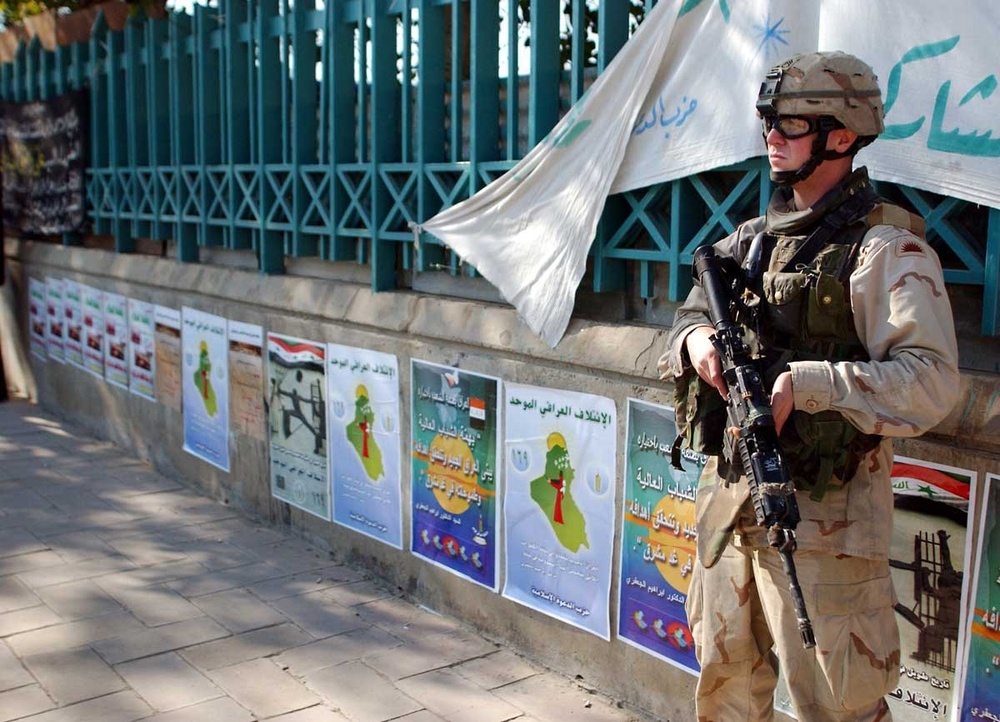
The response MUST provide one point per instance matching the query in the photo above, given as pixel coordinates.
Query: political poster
(141, 349)
(659, 539)
(205, 386)
(93, 330)
(246, 377)
(116, 339)
(167, 331)
(454, 443)
(54, 343)
(296, 412)
(365, 442)
(560, 459)
(980, 692)
(37, 318)
(73, 320)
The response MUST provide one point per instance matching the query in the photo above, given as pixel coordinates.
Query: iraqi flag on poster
(935, 482)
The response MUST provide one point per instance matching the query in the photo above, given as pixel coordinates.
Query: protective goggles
(798, 126)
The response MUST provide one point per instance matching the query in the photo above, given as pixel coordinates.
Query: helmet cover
(825, 84)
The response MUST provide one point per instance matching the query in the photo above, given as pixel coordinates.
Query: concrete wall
(613, 359)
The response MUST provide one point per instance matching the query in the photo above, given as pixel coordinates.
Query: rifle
(752, 423)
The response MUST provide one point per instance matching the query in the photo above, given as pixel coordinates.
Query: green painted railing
(325, 130)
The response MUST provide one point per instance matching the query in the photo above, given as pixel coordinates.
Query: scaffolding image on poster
(560, 454)
(455, 437)
(365, 442)
(659, 541)
(296, 412)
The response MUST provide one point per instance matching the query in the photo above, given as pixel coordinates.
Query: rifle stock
(751, 421)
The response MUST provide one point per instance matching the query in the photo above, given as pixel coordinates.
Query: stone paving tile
(73, 572)
(78, 600)
(405, 620)
(14, 595)
(498, 669)
(167, 682)
(151, 576)
(318, 615)
(18, 703)
(554, 699)
(70, 635)
(14, 541)
(429, 653)
(363, 592)
(244, 647)
(219, 581)
(213, 554)
(336, 650)
(80, 545)
(319, 713)
(118, 707)
(12, 672)
(305, 582)
(74, 675)
(457, 699)
(239, 611)
(361, 693)
(169, 637)
(154, 605)
(263, 688)
(425, 715)
(29, 562)
(145, 550)
(294, 556)
(216, 710)
(27, 620)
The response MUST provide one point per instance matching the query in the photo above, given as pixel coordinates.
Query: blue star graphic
(770, 36)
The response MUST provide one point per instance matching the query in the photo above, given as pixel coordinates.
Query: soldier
(847, 310)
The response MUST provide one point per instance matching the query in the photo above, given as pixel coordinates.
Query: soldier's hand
(782, 400)
(705, 359)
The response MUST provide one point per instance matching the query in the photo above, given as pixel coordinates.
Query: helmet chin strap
(819, 154)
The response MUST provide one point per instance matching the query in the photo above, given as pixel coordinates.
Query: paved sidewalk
(126, 596)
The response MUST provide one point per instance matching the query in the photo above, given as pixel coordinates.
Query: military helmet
(825, 84)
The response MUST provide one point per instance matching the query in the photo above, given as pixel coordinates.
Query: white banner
(679, 99)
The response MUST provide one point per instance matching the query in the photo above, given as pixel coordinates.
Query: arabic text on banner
(296, 402)
(56, 322)
(659, 541)
(73, 319)
(246, 372)
(455, 440)
(37, 318)
(560, 454)
(168, 356)
(141, 357)
(93, 330)
(116, 339)
(980, 691)
(678, 100)
(365, 451)
(205, 386)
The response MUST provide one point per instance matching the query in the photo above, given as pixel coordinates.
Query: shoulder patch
(892, 215)
(904, 247)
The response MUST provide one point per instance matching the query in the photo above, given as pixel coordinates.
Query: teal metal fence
(302, 129)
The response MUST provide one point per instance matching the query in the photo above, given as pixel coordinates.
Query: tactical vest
(799, 313)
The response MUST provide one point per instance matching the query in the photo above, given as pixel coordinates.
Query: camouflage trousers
(743, 623)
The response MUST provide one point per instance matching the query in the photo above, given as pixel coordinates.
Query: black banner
(43, 152)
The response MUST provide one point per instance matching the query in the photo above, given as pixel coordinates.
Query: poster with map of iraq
(560, 454)
(365, 442)
(455, 441)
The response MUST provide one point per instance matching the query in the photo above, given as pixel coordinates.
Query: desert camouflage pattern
(738, 597)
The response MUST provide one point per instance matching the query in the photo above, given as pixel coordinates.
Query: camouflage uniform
(738, 606)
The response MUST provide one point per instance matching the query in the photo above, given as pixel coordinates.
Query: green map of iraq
(552, 493)
(359, 434)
